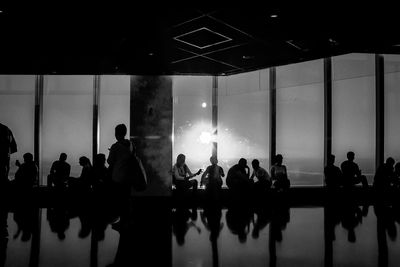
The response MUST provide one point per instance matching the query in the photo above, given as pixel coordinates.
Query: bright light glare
(204, 105)
(205, 137)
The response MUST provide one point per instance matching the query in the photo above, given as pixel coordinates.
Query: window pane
(392, 108)
(192, 120)
(353, 110)
(300, 121)
(17, 112)
(243, 118)
(114, 108)
(67, 120)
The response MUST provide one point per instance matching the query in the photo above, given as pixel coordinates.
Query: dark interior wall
(151, 129)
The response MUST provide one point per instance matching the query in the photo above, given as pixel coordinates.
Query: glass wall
(114, 108)
(17, 112)
(67, 120)
(392, 107)
(243, 118)
(192, 134)
(300, 121)
(353, 110)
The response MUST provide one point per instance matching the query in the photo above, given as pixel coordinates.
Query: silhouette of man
(263, 178)
(8, 146)
(59, 172)
(100, 171)
(181, 175)
(384, 176)
(27, 173)
(238, 178)
(352, 173)
(333, 174)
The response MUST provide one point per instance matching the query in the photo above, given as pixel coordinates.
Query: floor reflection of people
(238, 220)
(211, 218)
(182, 220)
(26, 220)
(3, 236)
(280, 219)
(58, 219)
(351, 217)
(262, 219)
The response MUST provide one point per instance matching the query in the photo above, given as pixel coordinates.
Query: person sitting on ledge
(212, 179)
(59, 172)
(84, 181)
(333, 174)
(352, 173)
(263, 179)
(181, 175)
(100, 177)
(27, 174)
(238, 178)
(279, 174)
(384, 176)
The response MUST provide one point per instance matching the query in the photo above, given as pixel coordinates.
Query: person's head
(213, 160)
(331, 159)
(28, 157)
(180, 159)
(350, 155)
(242, 162)
(390, 162)
(63, 157)
(278, 159)
(255, 163)
(120, 132)
(100, 160)
(83, 161)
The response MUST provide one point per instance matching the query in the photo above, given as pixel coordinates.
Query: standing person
(212, 178)
(27, 173)
(263, 179)
(352, 173)
(8, 146)
(118, 161)
(59, 172)
(279, 174)
(181, 175)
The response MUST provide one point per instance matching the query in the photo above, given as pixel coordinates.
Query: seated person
(352, 173)
(263, 178)
(333, 174)
(279, 174)
(384, 176)
(100, 171)
(27, 174)
(396, 175)
(59, 172)
(238, 178)
(212, 177)
(84, 180)
(181, 175)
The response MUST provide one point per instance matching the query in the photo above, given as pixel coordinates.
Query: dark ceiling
(166, 40)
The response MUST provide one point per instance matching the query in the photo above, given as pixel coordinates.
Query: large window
(392, 107)
(114, 108)
(67, 120)
(243, 118)
(300, 120)
(193, 134)
(17, 111)
(353, 110)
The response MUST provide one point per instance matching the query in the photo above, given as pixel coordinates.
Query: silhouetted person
(85, 178)
(263, 182)
(333, 174)
(181, 176)
(182, 220)
(212, 179)
(279, 174)
(8, 146)
(27, 174)
(100, 171)
(238, 180)
(59, 172)
(384, 176)
(352, 173)
(396, 175)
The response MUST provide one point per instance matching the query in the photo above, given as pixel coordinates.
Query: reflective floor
(347, 235)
